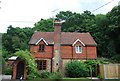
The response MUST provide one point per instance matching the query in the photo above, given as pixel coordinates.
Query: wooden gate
(110, 71)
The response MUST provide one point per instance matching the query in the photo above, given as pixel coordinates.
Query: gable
(41, 39)
(78, 40)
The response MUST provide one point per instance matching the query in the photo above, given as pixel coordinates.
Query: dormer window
(78, 49)
(41, 47)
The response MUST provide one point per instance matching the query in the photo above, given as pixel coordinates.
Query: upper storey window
(78, 49)
(41, 47)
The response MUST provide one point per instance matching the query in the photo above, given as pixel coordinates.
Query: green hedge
(8, 71)
(76, 69)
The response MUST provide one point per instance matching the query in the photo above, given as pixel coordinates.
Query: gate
(110, 71)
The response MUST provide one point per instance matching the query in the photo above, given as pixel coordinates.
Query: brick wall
(92, 53)
(34, 49)
(67, 52)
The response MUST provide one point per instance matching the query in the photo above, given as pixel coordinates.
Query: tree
(114, 29)
(44, 25)
(16, 39)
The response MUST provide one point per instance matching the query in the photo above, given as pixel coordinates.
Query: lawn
(75, 78)
(72, 79)
(63, 79)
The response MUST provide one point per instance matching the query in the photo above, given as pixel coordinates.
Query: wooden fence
(110, 71)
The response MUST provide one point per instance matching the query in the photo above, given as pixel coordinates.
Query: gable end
(41, 39)
(78, 40)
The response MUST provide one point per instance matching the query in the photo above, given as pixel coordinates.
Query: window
(41, 64)
(78, 49)
(41, 48)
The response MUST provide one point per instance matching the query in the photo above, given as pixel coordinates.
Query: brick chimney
(57, 61)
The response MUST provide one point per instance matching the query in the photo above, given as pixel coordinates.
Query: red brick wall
(70, 52)
(79, 55)
(67, 52)
(35, 51)
(92, 53)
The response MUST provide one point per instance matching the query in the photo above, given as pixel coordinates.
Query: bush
(116, 57)
(32, 76)
(44, 74)
(76, 69)
(8, 71)
(56, 75)
(93, 65)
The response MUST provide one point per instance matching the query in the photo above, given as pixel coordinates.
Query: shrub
(31, 76)
(76, 69)
(116, 57)
(56, 75)
(93, 65)
(8, 71)
(44, 74)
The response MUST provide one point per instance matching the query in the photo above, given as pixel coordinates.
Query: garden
(74, 70)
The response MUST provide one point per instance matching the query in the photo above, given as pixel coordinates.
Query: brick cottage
(52, 50)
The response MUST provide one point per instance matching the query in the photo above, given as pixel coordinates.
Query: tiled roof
(66, 38)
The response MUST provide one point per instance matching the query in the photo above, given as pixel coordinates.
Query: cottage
(52, 50)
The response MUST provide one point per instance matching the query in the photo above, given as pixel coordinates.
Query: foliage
(4, 53)
(8, 71)
(116, 58)
(3, 63)
(102, 61)
(44, 74)
(56, 75)
(16, 39)
(100, 76)
(76, 69)
(44, 25)
(31, 66)
(104, 29)
(93, 65)
(32, 76)
(47, 74)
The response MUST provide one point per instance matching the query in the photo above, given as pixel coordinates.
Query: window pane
(41, 64)
(78, 49)
(41, 47)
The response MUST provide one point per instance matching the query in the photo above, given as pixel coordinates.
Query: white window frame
(78, 49)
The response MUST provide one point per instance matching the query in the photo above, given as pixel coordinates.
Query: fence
(110, 71)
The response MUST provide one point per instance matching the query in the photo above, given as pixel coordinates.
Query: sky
(25, 13)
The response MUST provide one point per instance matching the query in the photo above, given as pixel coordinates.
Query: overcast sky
(24, 13)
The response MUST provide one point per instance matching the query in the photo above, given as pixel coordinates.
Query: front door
(20, 70)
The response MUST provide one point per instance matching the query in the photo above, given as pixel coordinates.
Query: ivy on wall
(31, 66)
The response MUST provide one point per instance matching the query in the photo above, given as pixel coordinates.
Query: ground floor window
(41, 64)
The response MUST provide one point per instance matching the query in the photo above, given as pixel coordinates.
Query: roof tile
(66, 38)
